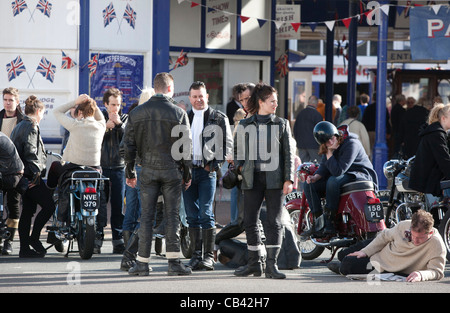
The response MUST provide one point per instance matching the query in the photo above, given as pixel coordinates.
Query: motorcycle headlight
(389, 168)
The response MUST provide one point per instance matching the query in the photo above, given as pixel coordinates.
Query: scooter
(360, 216)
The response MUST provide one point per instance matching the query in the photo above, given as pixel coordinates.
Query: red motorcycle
(360, 216)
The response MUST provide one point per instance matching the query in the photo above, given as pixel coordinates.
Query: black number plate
(293, 195)
(89, 201)
(374, 212)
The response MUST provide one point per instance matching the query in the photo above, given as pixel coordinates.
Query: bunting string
(368, 13)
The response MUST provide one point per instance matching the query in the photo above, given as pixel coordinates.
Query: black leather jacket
(245, 147)
(10, 162)
(211, 156)
(151, 133)
(111, 157)
(27, 139)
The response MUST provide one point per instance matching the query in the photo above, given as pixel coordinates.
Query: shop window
(210, 71)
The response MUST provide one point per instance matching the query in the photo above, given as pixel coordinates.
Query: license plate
(293, 195)
(89, 201)
(374, 212)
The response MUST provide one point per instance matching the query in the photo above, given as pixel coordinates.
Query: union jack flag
(130, 16)
(282, 65)
(109, 14)
(92, 65)
(182, 60)
(18, 6)
(47, 69)
(67, 62)
(45, 7)
(15, 68)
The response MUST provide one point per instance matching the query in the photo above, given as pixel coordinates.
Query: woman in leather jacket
(27, 139)
(265, 156)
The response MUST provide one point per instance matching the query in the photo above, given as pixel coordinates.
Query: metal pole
(380, 153)
(353, 37)
(83, 74)
(329, 76)
(161, 36)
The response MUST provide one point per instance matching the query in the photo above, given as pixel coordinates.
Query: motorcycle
(360, 216)
(85, 186)
(403, 201)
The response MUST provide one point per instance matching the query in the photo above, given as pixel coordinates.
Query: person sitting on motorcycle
(85, 140)
(432, 162)
(343, 160)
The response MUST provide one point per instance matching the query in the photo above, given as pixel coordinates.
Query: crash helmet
(324, 131)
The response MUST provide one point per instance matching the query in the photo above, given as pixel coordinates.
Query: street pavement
(102, 274)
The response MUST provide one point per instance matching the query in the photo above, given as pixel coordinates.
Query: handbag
(230, 179)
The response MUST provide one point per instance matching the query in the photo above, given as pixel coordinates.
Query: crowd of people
(159, 152)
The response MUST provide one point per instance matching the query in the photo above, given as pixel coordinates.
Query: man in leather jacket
(212, 142)
(113, 167)
(10, 116)
(153, 131)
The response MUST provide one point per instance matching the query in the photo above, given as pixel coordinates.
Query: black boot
(7, 244)
(126, 234)
(271, 264)
(196, 242)
(316, 227)
(139, 269)
(176, 268)
(253, 266)
(129, 256)
(329, 229)
(208, 236)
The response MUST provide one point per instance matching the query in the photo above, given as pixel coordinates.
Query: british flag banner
(15, 68)
(47, 69)
(45, 7)
(130, 16)
(109, 14)
(182, 60)
(18, 6)
(67, 62)
(92, 65)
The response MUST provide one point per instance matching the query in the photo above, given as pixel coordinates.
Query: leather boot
(271, 264)
(139, 269)
(329, 229)
(7, 244)
(196, 242)
(126, 234)
(12, 225)
(176, 268)
(253, 266)
(316, 227)
(129, 255)
(208, 236)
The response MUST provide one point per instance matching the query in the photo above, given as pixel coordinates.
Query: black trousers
(38, 195)
(352, 264)
(153, 183)
(12, 196)
(253, 199)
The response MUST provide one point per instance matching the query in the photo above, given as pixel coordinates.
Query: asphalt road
(101, 274)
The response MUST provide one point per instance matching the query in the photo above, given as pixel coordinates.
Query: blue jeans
(199, 198)
(115, 192)
(133, 204)
(330, 188)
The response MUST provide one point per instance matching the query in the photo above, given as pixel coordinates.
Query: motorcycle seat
(361, 185)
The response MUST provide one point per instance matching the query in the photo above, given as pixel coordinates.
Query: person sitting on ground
(412, 248)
